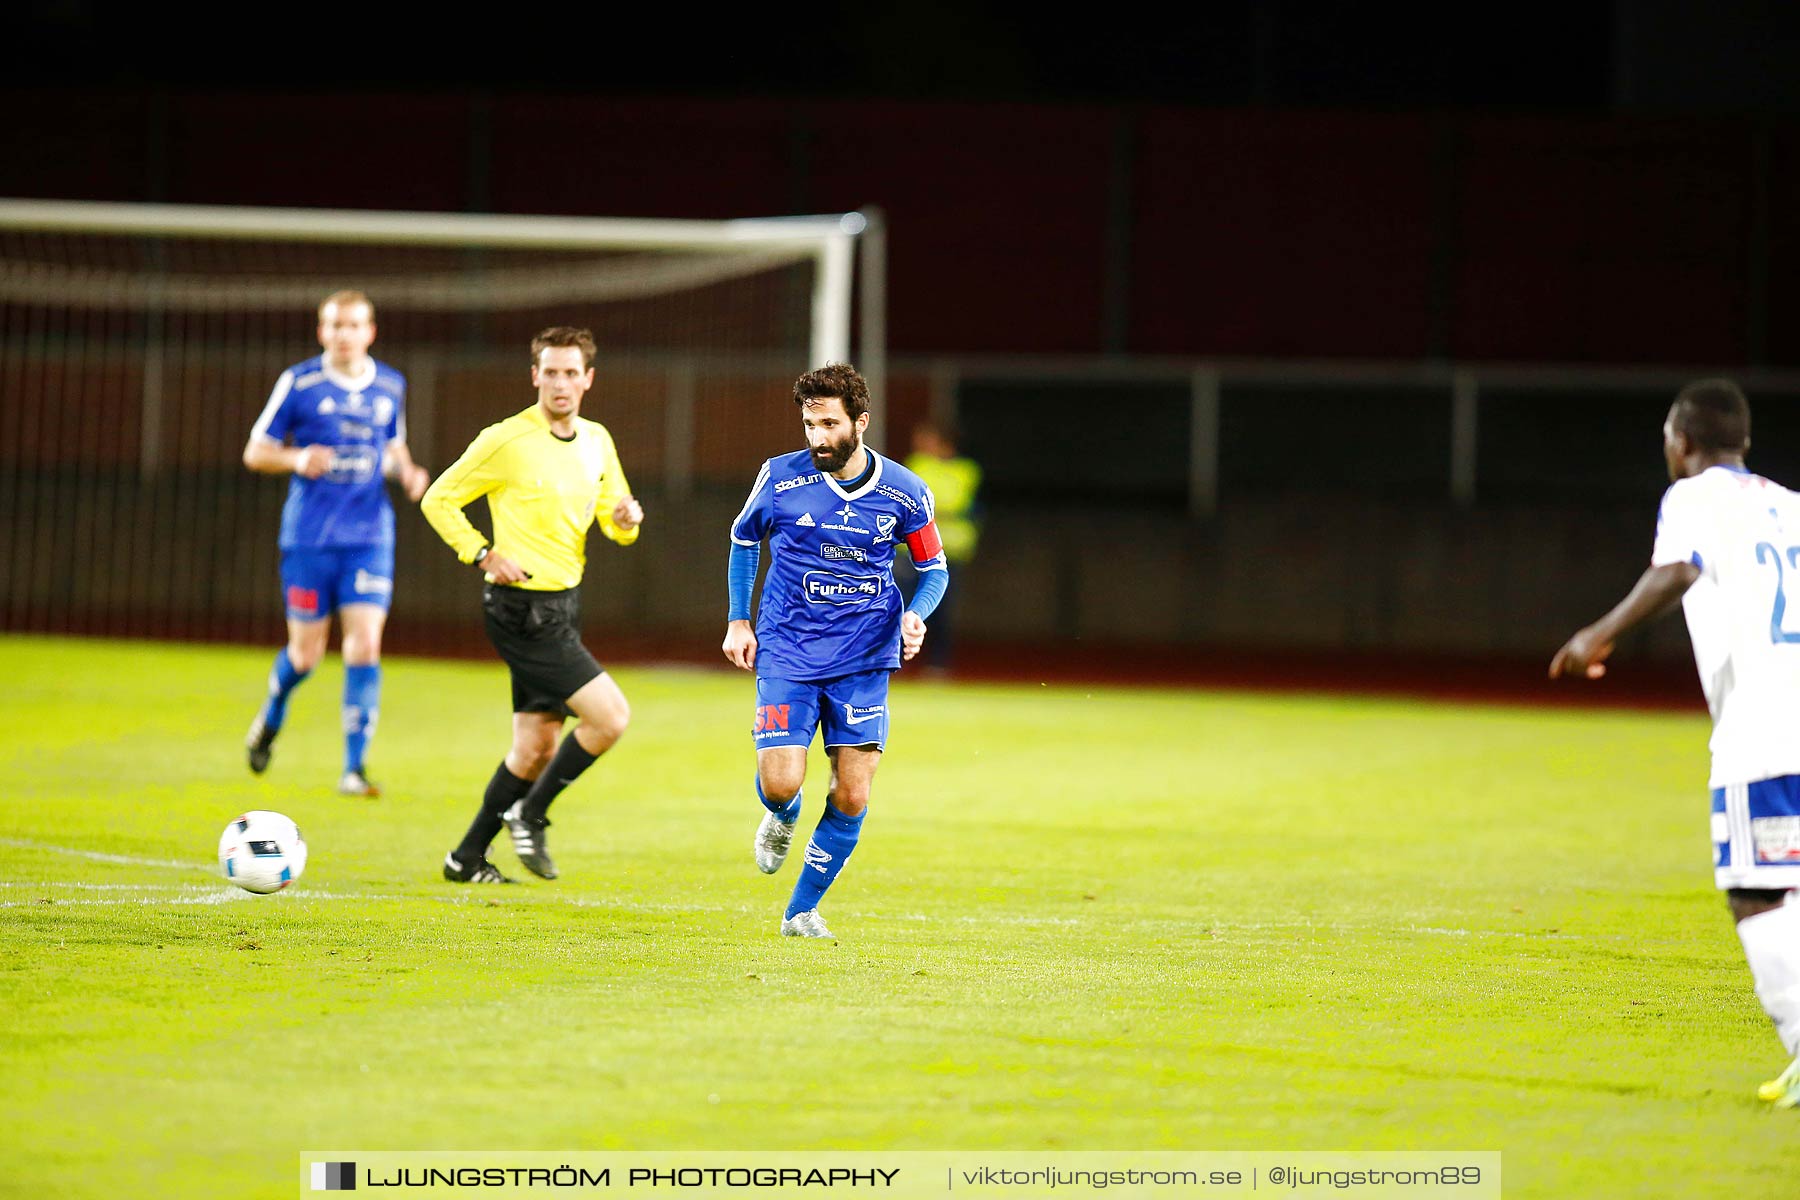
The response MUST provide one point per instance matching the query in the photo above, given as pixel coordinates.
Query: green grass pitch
(1080, 918)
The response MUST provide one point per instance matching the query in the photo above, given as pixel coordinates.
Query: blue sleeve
(741, 579)
(925, 597)
(922, 516)
(752, 521)
(396, 430)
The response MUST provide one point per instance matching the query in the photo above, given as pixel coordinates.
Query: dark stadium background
(1080, 208)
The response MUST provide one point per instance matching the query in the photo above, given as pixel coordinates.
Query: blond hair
(345, 298)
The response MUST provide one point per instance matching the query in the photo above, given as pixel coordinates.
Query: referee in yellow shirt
(547, 473)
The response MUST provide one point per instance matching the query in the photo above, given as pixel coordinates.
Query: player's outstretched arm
(1656, 591)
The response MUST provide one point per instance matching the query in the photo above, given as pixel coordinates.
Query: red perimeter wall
(1070, 229)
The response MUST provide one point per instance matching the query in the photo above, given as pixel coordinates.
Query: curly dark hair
(834, 379)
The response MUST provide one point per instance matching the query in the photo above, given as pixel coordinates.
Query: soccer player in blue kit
(344, 414)
(831, 627)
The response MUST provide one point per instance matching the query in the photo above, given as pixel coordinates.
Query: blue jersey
(829, 603)
(356, 418)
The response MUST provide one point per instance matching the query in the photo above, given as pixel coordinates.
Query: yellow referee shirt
(542, 492)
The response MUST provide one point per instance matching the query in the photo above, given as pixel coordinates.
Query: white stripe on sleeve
(282, 387)
(762, 477)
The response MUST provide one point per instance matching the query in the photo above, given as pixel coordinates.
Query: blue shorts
(317, 582)
(854, 710)
(1756, 834)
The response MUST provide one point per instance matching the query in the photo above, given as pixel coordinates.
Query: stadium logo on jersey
(824, 587)
(376, 584)
(818, 859)
(796, 481)
(806, 520)
(851, 553)
(884, 527)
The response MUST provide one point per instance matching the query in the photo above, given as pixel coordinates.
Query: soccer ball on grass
(262, 851)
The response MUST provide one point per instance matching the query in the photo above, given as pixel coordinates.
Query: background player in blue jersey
(831, 626)
(337, 424)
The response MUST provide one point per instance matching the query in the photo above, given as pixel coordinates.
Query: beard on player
(831, 456)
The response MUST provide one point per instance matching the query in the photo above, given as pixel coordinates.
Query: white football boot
(773, 837)
(806, 924)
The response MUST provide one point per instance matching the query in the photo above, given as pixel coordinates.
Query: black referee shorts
(538, 634)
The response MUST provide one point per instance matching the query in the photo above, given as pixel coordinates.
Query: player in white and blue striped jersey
(337, 424)
(832, 626)
(1728, 548)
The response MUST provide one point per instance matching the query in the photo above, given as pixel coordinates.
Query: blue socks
(789, 812)
(283, 679)
(831, 844)
(362, 703)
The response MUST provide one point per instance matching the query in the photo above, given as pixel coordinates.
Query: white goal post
(667, 255)
(828, 240)
(138, 341)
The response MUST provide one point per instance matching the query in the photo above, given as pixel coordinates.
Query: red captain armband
(925, 543)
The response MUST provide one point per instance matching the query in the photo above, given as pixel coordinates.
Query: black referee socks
(502, 790)
(570, 761)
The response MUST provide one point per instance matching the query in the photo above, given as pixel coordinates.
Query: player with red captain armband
(925, 544)
(831, 626)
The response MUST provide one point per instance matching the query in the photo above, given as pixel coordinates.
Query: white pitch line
(224, 895)
(131, 859)
(146, 896)
(203, 898)
(968, 920)
(647, 906)
(100, 887)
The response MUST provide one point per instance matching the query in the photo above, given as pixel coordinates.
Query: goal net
(139, 343)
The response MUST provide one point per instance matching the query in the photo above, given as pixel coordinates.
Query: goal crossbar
(829, 240)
